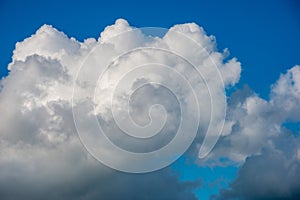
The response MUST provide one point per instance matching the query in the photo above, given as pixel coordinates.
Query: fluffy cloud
(255, 123)
(270, 151)
(41, 155)
(286, 94)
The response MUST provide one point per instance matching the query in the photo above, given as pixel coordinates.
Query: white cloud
(267, 150)
(39, 145)
(255, 122)
(286, 94)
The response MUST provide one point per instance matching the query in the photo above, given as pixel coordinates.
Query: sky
(259, 149)
(262, 34)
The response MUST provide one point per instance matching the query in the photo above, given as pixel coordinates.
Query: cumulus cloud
(254, 123)
(285, 94)
(273, 174)
(41, 154)
(261, 140)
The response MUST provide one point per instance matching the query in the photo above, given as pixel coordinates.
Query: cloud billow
(42, 156)
(269, 152)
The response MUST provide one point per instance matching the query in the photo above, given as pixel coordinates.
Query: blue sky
(263, 35)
